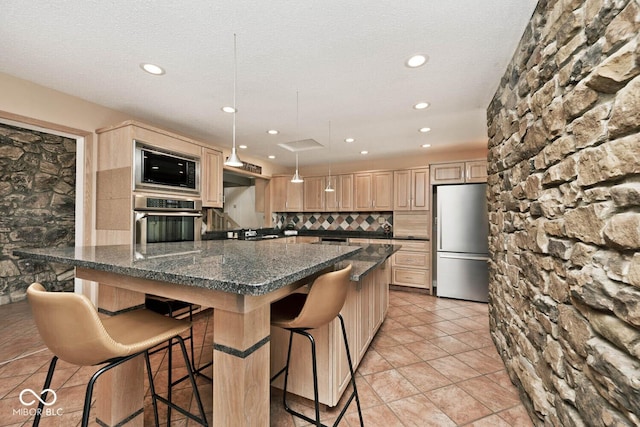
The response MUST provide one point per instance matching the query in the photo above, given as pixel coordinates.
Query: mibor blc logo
(30, 400)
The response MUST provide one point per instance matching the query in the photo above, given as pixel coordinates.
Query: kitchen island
(238, 279)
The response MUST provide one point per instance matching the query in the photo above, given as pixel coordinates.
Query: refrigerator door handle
(469, 257)
(439, 227)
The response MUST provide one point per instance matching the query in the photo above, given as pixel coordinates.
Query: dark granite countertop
(370, 257)
(216, 235)
(239, 267)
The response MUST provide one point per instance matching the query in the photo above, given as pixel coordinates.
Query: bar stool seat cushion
(71, 328)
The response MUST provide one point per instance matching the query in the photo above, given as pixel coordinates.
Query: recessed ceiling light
(152, 69)
(242, 146)
(349, 140)
(421, 105)
(272, 132)
(364, 152)
(272, 156)
(229, 109)
(416, 61)
(426, 145)
(425, 130)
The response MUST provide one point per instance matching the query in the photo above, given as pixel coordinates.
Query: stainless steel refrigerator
(461, 242)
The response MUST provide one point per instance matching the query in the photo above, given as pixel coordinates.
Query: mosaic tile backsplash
(335, 221)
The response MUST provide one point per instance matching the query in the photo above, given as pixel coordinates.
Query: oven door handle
(141, 215)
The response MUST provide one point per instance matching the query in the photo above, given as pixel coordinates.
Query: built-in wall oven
(161, 219)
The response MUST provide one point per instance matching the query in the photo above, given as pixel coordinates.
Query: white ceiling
(345, 59)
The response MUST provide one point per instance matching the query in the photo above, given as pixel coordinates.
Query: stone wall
(37, 207)
(564, 209)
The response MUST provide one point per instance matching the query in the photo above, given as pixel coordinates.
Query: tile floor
(431, 364)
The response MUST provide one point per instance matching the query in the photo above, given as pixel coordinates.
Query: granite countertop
(239, 267)
(369, 258)
(217, 235)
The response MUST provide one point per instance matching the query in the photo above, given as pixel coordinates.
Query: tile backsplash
(335, 221)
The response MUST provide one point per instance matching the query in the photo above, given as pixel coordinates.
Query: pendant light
(329, 188)
(296, 176)
(233, 159)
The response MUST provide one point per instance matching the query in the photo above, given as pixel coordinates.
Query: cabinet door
(345, 190)
(314, 194)
(363, 190)
(350, 315)
(447, 173)
(365, 302)
(278, 188)
(383, 191)
(419, 189)
(402, 190)
(212, 193)
(476, 171)
(294, 201)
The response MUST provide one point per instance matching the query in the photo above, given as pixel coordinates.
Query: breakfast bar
(239, 280)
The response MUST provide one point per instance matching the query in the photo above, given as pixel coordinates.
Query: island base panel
(120, 391)
(241, 368)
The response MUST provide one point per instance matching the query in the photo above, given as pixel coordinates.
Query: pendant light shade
(233, 159)
(296, 176)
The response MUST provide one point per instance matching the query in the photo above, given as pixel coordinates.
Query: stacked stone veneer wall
(564, 209)
(37, 207)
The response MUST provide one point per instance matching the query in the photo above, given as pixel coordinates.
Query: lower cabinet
(363, 312)
(411, 264)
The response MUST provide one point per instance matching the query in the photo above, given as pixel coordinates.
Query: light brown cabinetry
(373, 191)
(286, 196)
(340, 200)
(314, 194)
(363, 312)
(476, 171)
(411, 264)
(459, 172)
(411, 190)
(115, 170)
(211, 167)
(307, 239)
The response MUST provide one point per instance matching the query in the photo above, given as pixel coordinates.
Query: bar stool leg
(152, 386)
(353, 376)
(43, 396)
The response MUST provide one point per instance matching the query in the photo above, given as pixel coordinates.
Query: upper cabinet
(476, 171)
(286, 196)
(459, 172)
(314, 194)
(373, 191)
(411, 190)
(212, 192)
(341, 199)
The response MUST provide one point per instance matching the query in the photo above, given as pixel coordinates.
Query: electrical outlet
(381, 220)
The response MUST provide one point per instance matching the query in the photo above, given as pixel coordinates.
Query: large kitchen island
(238, 279)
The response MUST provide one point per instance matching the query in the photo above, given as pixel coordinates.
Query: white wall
(240, 205)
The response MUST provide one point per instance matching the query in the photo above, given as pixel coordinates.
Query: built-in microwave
(165, 171)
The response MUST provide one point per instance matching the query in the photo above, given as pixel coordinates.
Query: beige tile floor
(431, 364)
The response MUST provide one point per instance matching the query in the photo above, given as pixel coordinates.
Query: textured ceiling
(344, 58)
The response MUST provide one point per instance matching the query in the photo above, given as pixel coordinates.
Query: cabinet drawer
(411, 259)
(410, 277)
(413, 245)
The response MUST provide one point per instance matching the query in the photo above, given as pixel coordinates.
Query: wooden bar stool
(298, 313)
(71, 328)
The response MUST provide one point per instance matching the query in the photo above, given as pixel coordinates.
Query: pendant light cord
(235, 84)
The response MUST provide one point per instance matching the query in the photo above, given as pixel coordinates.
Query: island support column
(120, 391)
(241, 367)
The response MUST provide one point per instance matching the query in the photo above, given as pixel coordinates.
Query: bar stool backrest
(70, 327)
(325, 300)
